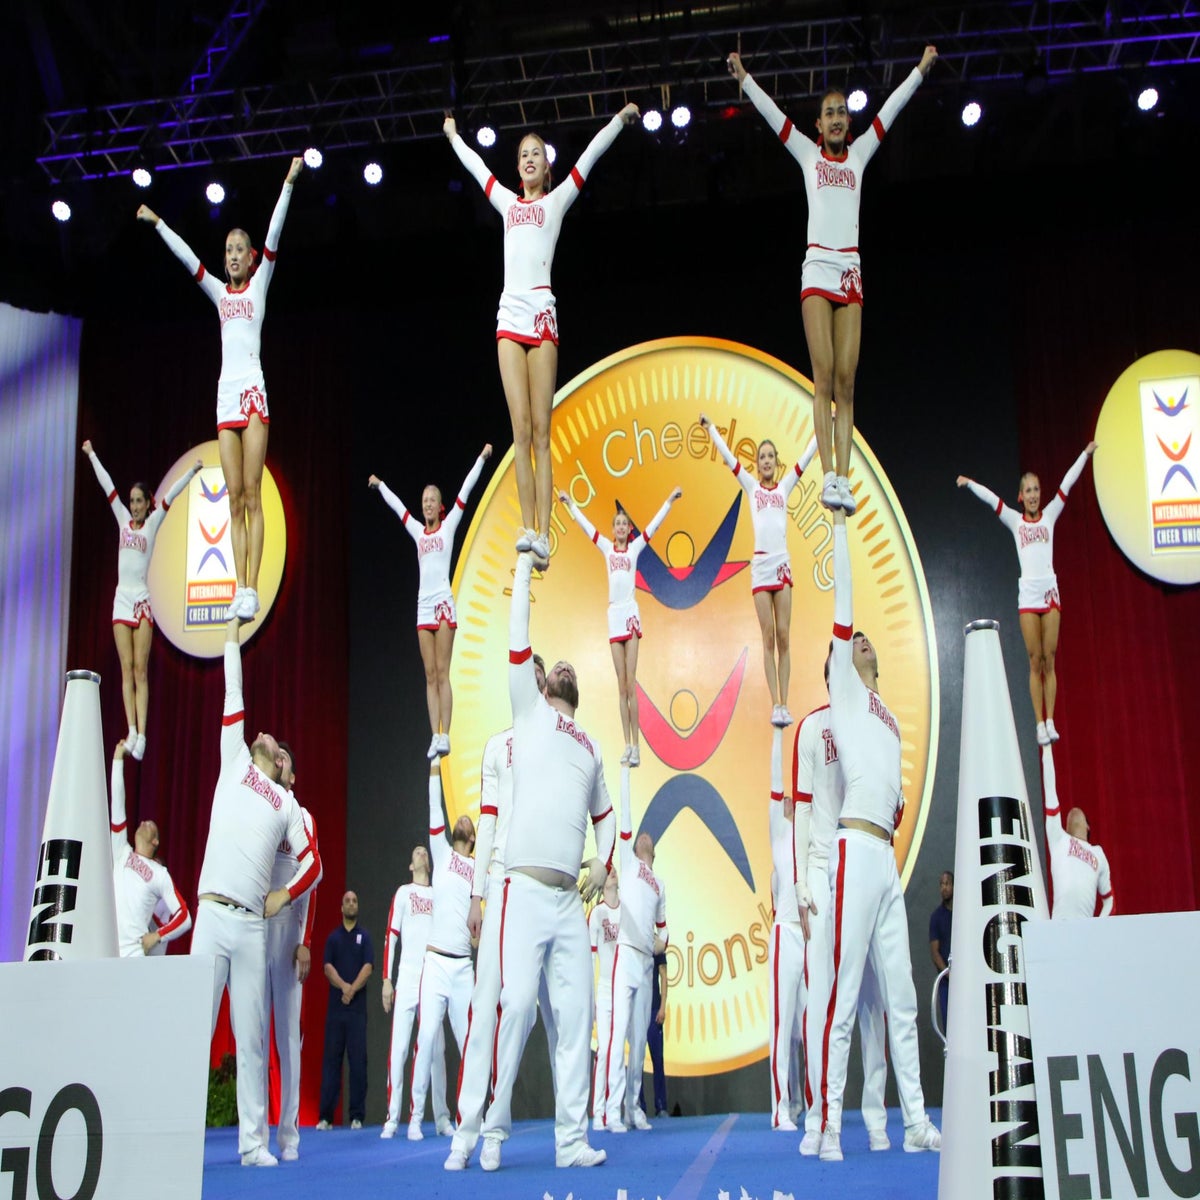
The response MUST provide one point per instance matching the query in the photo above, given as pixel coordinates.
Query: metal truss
(578, 83)
(224, 43)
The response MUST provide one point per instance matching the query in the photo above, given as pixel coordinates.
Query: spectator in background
(939, 938)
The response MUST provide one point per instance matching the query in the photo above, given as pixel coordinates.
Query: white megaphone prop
(990, 1143)
(74, 913)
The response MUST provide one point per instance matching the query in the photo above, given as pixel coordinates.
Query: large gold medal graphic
(626, 432)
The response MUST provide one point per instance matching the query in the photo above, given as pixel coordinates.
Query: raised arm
(118, 824)
(595, 148)
(498, 195)
(275, 229)
(464, 492)
(110, 489)
(1072, 476)
(176, 489)
(895, 102)
(978, 490)
(1055, 832)
(212, 287)
(604, 821)
(800, 147)
(792, 477)
(660, 516)
(485, 830)
(728, 455)
(626, 859)
(593, 535)
(522, 681)
(439, 837)
(842, 674)
(233, 720)
(411, 524)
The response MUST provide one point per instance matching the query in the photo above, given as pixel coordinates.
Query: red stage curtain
(147, 394)
(1129, 651)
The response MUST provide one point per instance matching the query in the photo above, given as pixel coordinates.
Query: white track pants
(283, 997)
(816, 1022)
(477, 1067)
(631, 996)
(404, 1013)
(604, 991)
(238, 941)
(543, 931)
(445, 986)
(786, 965)
(869, 922)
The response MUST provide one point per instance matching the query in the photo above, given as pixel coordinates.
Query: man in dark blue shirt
(939, 938)
(654, 1038)
(349, 960)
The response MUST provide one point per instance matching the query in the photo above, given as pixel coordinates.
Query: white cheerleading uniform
(604, 927)
(1037, 590)
(131, 604)
(446, 976)
(286, 930)
(643, 921)
(817, 790)
(410, 920)
(624, 620)
(435, 547)
(1078, 869)
(832, 265)
(241, 389)
(251, 815)
(143, 886)
(495, 813)
(531, 227)
(771, 568)
(786, 955)
(866, 901)
(558, 781)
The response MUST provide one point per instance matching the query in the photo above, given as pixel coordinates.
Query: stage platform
(681, 1158)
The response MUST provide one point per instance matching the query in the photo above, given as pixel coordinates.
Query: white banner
(1112, 1012)
(104, 1078)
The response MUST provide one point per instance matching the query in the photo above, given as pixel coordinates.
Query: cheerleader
(624, 620)
(132, 620)
(242, 416)
(831, 294)
(436, 617)
(527, 323)
(1038, 606)
(771, 569)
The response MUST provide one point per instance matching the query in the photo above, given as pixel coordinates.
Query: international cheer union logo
(192, 578)
(625, 433)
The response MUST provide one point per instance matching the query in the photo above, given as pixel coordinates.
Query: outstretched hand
(704, 421)
(373, 481)
(563, 498)
(927, 59)
(294, 170)
(962, 481)
(87, 447)
(1091, 448)
(198, 465)
(449, 127)
(675, 495)
(734, 63)
(147, 214)
(120, 751)
(486, 452)
(629, 113)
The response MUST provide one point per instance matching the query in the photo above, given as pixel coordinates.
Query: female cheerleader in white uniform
(242, 415)
(1037, 592)
(624, 620)
(771, 568)
(436, 616)
(133, 622)
(831, 294)
(527, 324)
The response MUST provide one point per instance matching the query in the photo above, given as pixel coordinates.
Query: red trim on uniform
(596, 537)
(234, 718)
(412, 1108)
(307, 850)
(802, 798)
(833, 249)
(118, 828)
(771, 587)
(311, 875)
(1053, 812)
(1106, 895)
(832, 297)
(808, 1098)
(439, 830)
(837, 962)
(597, 820)
(1061, 495)
(625, 837)
(776, 795)
(488, 810)
(517, 657)
(458, 500)
(576, 178)
(525, 339)
(775, 1031)
(499, 1006)
(435, 628)
(625, 637)
(736, 468)
(388, 950)
(786, 131)
(877, 125)
(837, 158)
(612, 1025)
(844, 632)
(461, 1061)
(112, 496)
(487, 187)
(999, 507)
(1042, 611)
(269, 254)
(200, 272)
(241, 424)
(178, 919)
(1033, 520)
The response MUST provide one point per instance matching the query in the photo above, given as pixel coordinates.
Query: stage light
(486, 136)
(372, 173)
(313, 158)
(551, 154)
(652, 120)
(141, 177)
(215, 193)
(61, 210)
(1148, 99)
(971, 113)
(681, 116)
(857, 100)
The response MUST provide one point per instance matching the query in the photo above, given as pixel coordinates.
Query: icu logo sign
(192, 578)
(626, 432)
